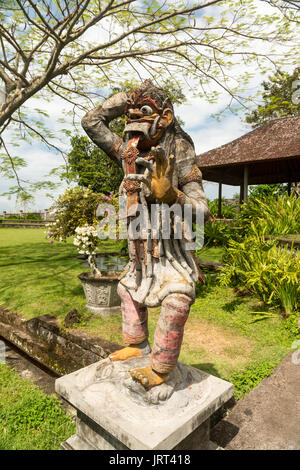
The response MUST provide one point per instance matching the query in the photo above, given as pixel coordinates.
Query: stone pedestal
(116, 413)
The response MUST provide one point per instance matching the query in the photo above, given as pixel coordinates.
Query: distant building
(45, 214)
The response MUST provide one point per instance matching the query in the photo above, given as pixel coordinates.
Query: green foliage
(275, 215)
(234, 338)
(91, 168)
(268, 270)
(244, 381)
(13, 217)
(263, 191)
(29, 419)
(32, 216)
(228, 210)
(279, 98)
(75, 208)
(31, 412)
(217, 232)
(27, 259)
(292, 325)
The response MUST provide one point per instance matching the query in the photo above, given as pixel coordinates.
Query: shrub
(76, 208)
(269, 270)
(264, 191)
(32, 216)
(217, 232)
(228, 210)
(249, 378)
(270, 216)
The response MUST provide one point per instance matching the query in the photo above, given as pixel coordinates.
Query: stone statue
(158, 159)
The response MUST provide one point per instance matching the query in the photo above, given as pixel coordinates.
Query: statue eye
(147, 110)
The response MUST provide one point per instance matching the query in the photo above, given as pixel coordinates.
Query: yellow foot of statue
(148, 377)
(125, 353)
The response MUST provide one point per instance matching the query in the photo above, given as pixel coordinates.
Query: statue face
(147, 122)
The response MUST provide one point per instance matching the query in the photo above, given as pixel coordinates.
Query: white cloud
(39, 163)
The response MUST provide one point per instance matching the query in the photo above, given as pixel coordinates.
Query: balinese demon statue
(158, 159)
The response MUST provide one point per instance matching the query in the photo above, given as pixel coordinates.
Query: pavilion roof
(271, 152)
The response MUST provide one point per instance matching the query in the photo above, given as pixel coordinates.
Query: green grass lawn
(224, 334)
(29, 419)
(211, 253)
(37, 277)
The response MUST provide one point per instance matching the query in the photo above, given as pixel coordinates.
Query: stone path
(268, 418)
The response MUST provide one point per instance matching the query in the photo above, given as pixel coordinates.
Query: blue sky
(206, 132)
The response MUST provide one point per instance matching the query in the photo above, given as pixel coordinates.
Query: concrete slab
(268, 418)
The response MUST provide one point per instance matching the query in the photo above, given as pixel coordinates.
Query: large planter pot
(101, 293)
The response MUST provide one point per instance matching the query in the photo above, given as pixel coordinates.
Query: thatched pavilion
(268, 154)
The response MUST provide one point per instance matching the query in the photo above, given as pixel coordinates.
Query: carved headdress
(147, 91)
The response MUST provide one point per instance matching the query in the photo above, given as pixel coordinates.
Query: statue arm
(193, 193)
(96, 122)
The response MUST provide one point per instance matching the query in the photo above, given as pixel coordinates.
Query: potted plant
(100, 290)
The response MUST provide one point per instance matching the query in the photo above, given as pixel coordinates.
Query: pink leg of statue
(169, 332)
(134, 327)
(134, 318)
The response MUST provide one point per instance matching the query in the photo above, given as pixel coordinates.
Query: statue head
(149, 113)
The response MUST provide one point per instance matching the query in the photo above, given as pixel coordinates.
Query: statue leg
(167, 341)
(134, 328)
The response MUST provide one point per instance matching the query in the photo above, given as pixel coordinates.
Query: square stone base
(113, 412)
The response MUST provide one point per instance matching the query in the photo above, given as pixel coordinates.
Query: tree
(267, 191)
(90, 167)
(75, 48)
(279, 98)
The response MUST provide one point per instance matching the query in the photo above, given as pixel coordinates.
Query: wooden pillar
(241, 193)
(245, 185)
(220, 201)
(289, 188)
